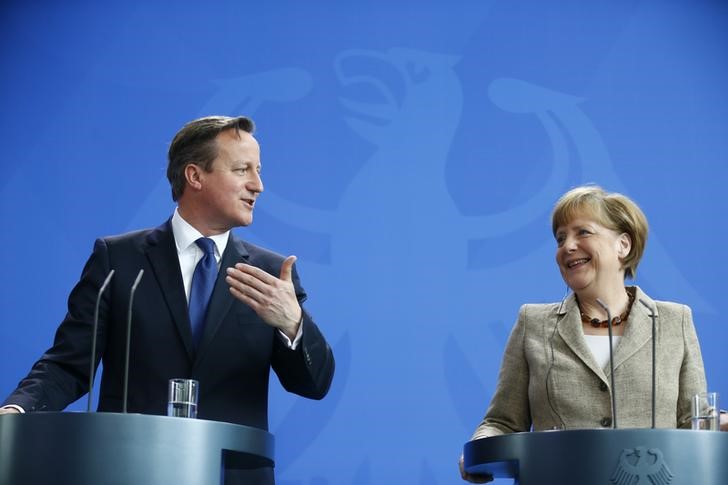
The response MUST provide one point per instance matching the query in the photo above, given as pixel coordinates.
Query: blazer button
(606, 422)
(603, 386)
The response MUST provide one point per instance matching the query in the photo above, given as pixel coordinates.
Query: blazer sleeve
(61, 375)
(692, 373)
(509, 410)
(309, 369)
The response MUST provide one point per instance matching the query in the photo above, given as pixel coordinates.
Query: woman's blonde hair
(611, 210)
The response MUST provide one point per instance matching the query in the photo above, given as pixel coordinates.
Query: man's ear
(193, 176)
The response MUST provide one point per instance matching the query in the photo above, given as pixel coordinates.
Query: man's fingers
(245, 298)
(255, 274)
(241, 276)
(287, 268)
(245, 284)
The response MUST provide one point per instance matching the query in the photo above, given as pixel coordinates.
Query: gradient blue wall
(412, 151)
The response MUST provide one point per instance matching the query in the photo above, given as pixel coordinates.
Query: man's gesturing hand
(273, 299)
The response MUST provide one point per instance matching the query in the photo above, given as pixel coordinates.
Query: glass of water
(706, 412)
(182, 401)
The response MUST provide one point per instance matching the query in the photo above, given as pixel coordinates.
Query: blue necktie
(203, 281)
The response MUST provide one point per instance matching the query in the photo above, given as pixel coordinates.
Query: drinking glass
(182, 401)
(706, 412)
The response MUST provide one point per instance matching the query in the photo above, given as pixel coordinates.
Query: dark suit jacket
(232, 362)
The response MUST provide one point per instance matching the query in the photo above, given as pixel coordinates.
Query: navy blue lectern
(603, 456)
(98, 448)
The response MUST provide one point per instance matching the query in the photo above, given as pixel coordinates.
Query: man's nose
(255, 184)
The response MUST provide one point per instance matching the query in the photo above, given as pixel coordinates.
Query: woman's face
(590, 255)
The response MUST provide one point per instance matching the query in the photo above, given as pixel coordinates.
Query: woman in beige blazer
(555, 372)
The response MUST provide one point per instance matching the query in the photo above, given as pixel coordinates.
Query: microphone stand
(654, 343)
(611, 363)
(128, 337)
(94, 337)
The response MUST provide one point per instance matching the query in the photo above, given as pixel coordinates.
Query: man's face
(232, 186)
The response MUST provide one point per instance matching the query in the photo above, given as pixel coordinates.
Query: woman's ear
(625, 245)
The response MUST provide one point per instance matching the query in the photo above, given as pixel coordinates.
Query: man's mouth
(249, 202)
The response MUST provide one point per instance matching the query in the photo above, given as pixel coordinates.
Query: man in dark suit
(252, 322)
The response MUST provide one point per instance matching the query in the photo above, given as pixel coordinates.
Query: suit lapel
(221, 299)
(571, 332)
(638, 331)
(162, 255)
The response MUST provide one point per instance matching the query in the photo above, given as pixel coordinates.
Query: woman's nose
(570, 244)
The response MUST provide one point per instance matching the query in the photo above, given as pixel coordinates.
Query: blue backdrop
(412, 151)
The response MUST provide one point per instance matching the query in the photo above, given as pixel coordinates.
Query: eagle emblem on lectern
(641, 465)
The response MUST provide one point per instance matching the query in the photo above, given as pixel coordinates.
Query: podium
(98, 448)
(603, 456)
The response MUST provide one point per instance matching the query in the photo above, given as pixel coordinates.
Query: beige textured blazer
(549, 378)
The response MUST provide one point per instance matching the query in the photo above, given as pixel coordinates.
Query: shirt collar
(185, 235)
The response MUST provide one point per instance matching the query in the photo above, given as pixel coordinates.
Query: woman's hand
(472, 477)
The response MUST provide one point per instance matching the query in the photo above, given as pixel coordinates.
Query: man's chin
(245, 221)
(239, 221)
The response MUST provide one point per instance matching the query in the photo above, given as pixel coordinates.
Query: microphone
(611, 364)
(128, 337)
(92, 370)
(654, 343)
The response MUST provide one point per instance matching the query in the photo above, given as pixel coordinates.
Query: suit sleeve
(692, 373)
(308, 370)
(61, 375)
(509, 410)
